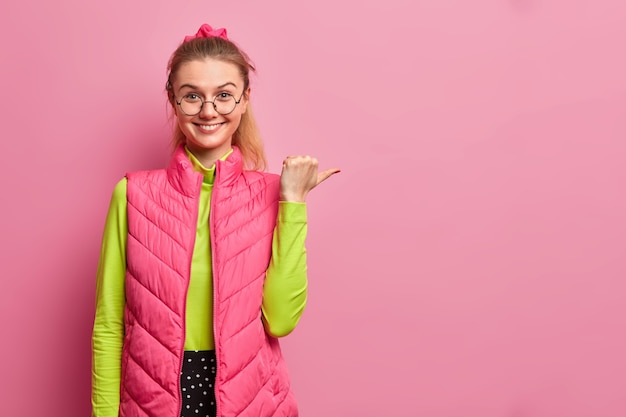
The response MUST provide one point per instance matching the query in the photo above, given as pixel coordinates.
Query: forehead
(207, 73)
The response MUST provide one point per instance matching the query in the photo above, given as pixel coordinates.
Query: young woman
(203, 264)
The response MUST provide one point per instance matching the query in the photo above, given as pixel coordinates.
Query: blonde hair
(247, 136)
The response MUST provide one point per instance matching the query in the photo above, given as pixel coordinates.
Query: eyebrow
(193, 87)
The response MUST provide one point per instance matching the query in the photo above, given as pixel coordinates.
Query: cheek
(181, 118)
(179, 121)
(183, 126)
(236, 121)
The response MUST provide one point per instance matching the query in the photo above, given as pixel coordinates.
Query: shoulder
(119, 192)
(145, 175)
(143, 179)
(142, 184)
(118, 198)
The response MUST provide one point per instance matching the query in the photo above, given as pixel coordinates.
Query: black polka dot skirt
(196, 384)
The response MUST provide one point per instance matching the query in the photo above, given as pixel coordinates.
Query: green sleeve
(284, 293)
(108, 329)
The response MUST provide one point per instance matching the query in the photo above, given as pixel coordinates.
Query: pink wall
(469, 259)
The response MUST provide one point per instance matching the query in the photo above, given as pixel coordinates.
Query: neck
(208, 157)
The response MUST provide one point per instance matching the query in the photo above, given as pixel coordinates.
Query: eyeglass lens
(222, 103)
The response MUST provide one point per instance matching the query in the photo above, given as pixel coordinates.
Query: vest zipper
(184, 318)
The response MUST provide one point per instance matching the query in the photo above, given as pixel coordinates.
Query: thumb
(324, 175)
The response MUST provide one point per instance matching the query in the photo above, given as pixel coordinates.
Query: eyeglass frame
(209, 101)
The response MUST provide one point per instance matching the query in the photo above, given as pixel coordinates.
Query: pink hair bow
(207, 31)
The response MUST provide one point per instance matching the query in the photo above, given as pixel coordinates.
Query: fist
(299, 176)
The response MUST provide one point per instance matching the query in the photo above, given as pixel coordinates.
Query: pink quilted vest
(252, 378)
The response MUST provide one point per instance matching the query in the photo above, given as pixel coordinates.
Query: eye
(192, 97)
(223, 96)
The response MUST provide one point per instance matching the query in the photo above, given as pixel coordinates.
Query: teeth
(210, 127)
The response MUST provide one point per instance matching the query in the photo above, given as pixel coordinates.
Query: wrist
(292, 198)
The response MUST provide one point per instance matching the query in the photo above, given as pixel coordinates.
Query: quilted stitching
(252, 378)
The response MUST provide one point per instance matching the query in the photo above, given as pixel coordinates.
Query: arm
(108, 330)
(284, 293)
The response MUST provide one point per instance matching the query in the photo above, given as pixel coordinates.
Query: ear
(171, 99)
(245, 99)
(174, 109)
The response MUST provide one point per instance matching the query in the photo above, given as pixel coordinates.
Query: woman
(203, 263)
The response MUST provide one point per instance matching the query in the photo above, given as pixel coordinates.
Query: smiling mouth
(209, 127)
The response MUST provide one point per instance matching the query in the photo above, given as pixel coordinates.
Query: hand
(299, 176)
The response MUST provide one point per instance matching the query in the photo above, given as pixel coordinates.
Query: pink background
(469, 259)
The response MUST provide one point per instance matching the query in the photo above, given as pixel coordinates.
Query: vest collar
(182, 176)
(228, 171)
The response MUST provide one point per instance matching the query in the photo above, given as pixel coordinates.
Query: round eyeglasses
(224, 103)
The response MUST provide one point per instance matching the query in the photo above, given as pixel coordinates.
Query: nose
(208, 109)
